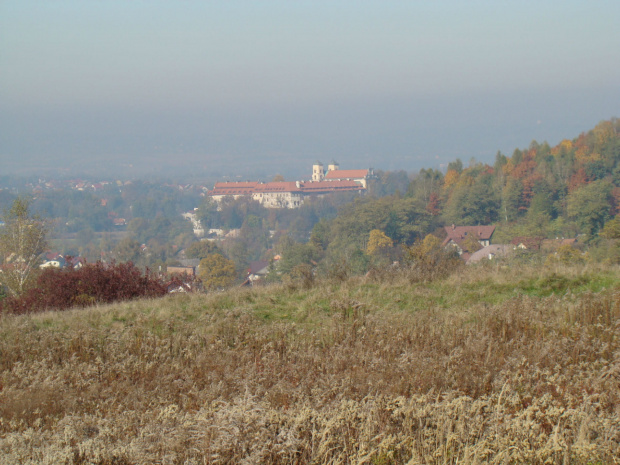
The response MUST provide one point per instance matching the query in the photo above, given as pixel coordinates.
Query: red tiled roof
(346, 174)
(235, 184)
(282, 186)
(330, 186)
(233, 188)
(257, 266)
(459, 233)
(249, 188)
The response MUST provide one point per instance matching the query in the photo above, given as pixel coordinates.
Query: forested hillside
(542, 190)
(569, 190)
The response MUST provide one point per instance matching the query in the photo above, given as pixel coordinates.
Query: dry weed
(334, 377)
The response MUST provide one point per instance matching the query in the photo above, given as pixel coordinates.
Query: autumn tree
(378, 242)
(217, 272)
(429, 260)
(22, 241)
(566, 254)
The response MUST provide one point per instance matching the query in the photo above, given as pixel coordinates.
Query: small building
(257, 271)
(458, 236)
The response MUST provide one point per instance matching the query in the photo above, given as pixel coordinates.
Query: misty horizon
(150, 89)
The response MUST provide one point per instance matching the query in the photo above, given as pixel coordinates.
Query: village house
(257, 271)
(458, 236)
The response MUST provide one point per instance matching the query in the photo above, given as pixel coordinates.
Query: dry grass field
(499, 365)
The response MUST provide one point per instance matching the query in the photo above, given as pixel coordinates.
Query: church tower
(318, 174)
(333, 166)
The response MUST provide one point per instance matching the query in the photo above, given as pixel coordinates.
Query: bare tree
(22, 241)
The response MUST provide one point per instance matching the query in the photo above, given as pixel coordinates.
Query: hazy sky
(268, 86)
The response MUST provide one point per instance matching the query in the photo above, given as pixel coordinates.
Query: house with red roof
(459, 236)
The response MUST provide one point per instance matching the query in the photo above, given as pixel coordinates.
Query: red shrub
(92, 284)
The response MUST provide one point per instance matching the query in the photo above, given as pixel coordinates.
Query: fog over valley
(239, 89)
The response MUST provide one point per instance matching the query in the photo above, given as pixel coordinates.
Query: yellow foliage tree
(423, 251)
(450, 179)
(603, 132)
(430, 244)
(583, 155)
(508, 167)
(611, 229)
(378, 242)
(216, 272)
(566, 254)
(428, 260)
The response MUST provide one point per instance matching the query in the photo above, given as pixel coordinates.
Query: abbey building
(291, 194)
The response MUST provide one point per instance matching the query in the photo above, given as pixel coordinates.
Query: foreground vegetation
(495, 364)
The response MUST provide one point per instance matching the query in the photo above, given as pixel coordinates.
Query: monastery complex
(291, 194)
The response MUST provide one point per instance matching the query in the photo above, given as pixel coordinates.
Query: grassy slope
(514, 364)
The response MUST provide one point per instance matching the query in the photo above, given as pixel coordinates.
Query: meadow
(493, 364)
